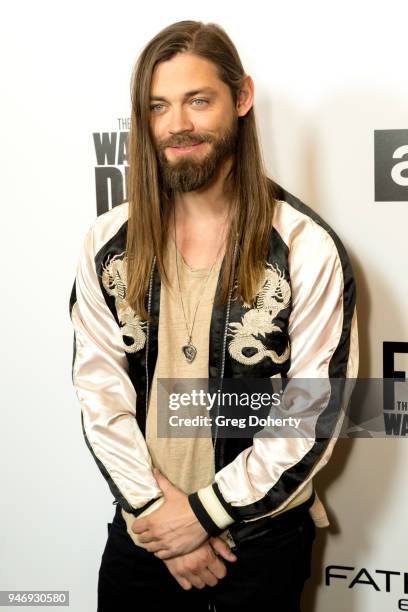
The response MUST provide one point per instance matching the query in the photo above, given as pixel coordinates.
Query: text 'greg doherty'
(241, 423)
(207, 400)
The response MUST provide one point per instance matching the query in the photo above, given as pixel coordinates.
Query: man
(209, 270)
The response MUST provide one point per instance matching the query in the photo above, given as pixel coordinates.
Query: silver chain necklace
(189, 350)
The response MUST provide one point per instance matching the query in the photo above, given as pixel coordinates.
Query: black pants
(270, 570)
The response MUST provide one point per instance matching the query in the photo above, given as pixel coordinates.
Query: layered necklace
(189, 350)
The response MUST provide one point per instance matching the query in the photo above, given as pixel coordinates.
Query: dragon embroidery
(114, 279)
(274, 296)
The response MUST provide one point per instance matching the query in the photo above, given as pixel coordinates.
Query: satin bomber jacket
(303, 324)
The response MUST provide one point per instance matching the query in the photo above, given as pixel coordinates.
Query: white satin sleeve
(105, 392)
(266, 476)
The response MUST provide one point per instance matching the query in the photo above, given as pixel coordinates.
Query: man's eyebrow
(188, 94)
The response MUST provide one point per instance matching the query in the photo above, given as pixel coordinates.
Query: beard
(191, 173)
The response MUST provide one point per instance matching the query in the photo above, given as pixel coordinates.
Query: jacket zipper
(224, 345)
(223, 360)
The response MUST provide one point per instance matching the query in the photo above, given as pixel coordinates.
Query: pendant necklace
(189, 350)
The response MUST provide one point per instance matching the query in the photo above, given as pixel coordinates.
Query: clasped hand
(173, 529)
(173, 533)
(202, 566)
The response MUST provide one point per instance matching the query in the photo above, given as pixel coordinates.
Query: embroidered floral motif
(114, 279)
(273, 296)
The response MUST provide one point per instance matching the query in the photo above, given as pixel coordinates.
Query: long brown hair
(149, 203)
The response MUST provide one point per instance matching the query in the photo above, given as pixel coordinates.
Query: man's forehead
(200, 89)
(183, 73)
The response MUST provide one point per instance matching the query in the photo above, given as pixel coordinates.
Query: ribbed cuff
(211, 509)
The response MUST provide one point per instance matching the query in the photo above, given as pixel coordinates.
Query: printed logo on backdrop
(379, 406)
(370, 580)
(111, 167)
(391, 165)
(395, 395)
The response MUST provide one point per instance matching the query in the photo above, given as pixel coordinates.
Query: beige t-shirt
(186, 462)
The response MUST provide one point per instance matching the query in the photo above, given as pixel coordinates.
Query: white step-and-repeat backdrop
(331, 97)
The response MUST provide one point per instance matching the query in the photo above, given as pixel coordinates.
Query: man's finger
(195, 580)
(221, 548)
(140, 525)
(187, 586)
(217, 567)
(166, 553)
(171, 556)
(154, 547)
(146, 538)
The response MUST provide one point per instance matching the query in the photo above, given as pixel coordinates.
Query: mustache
(184, 141)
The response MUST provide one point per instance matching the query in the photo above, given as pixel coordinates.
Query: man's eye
(158, 107)
(200, 100)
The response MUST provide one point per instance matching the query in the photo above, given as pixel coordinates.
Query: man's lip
(185, 146)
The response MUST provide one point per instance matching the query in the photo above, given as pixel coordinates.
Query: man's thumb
(221, 548)
(162, 481)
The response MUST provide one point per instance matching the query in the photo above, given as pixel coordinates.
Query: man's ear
(245, 97)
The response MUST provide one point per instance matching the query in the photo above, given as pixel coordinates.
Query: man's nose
(179, 121)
